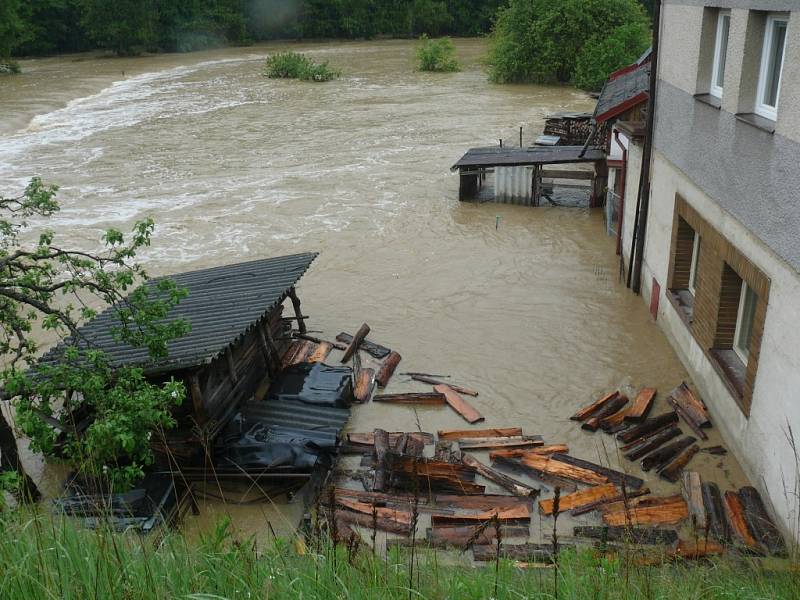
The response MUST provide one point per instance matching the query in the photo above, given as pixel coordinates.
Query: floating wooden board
(392, 514)
(426, 398)
(481, 503)
(512, 485)
(434, 381)
(649, 444)
(661, 511)
(612, 407)
(715, 513)
(663, 456)
(387, 369)
(514, 465)
(692, 490)
(618, 477)
(355, 342)
(648, 536)
(517, 514)
(672, 471)
(536, 553)
(367, 522)
(321, 352)
(458, 434)
(579, 498)
(460, 536)
(637, 443)
(647, 426)
(697, 548)
(526, 442)
(368, 438)
(627, 497)
(430, 474)
(550, 466)
(641, 405)
(518, 452)
(365, 383)
(458, 404)
(734, 512)
(758, 521)
(376, 350)
(690, 409)
(594, 407)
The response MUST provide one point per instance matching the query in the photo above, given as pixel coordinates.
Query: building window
(743, 335)
(772, 56)
(720, 53)
(693, 266)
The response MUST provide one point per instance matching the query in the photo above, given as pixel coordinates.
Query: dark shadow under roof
(223, 304)
(620, 93)
(495, 156)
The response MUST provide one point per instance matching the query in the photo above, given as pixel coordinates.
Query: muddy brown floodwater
(234, 166)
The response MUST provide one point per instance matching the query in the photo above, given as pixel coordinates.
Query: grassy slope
(47, 558)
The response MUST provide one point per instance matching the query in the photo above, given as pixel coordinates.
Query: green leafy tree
(540, 40)
(437, 55)
(603, 55)
(45, 286)
(125, 26)
(14, 27)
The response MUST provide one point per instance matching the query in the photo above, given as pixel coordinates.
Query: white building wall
(761, 443)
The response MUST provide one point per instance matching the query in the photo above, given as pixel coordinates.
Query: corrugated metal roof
(222, 305)
(495, 156)
(620, 92)
(316, 423)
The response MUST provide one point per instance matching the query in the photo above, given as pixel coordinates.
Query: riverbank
(41, 557)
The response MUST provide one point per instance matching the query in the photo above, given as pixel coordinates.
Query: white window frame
(693, 266)
(719, 55)
(765, 110)
(741, 352)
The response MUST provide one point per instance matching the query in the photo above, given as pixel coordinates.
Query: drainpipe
(623, 173)
(643, 204)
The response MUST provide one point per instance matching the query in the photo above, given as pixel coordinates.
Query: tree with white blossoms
(44, 286)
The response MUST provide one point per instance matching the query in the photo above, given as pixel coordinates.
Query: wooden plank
(661, 457)
(518, 514)
(425, 398)
(566, 174)
(648, 536)
(458, 404)
(504, 481)
(647, 426)
(352, 348)
(291, 353)
(525, 442)
(434, 381)
(550, 466)
(618, 477)
(668, 511)
(641, 405)
(687, 418)
(697, 548)
(645, 438)
(627, 497)
(366, 521)
(672, 471)
(387, 369)
(594, 407)
(690, 403)
(579, 498)
(612, 407)
(365, 383)
(368, 439)
(461, 536)
(734, 512)
(758, 521)
(481, 503)
(457, 434)
(650, 444)
(321, 352)
(392, 514)
(371, 348)
(311, 338)
(692, 490)
(712, 502)
(518, 452)
(381, 443)
(515, 466)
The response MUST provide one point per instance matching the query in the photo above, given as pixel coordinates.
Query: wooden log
(381, 443)
(641, 405)
(762, 527)
(368, 439)
(504, 481)
(387, 369)
(672, 471)
(550, 466)
(648, 445)
(695, 549)
(352, 348)
(514, 466)
(587, 508)
(579, 498)
(458, 434)
(616, 421)
(618, 477)
(365, 383)
(647, 426)
(371, 348)
(391, 514)
(434, 381)
(641, 440)
(523, 442)
(692, 489)
(366, 521)
(594, 407)
(518, 514)
(426, 398)
(690, 403)
(518, 452)
(321, 352)
(612, 407)
(715, 513)
(661, 457)
(316, 340)
(687, 418)
(458, 404)
(634, 535)
(666, 511)
(734, 512)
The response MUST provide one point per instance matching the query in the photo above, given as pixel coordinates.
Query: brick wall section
(682, 263)
(720, 271)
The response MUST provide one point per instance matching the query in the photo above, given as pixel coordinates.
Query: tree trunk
(9, 461)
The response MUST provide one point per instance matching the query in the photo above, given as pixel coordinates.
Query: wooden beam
(565, 174)
(301, 319)
(231, 365)
(197, 399)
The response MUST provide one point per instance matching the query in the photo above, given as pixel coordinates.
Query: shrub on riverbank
(437, 55)
(292, 65)
(9, 67)
(47, 557)
(564, 41)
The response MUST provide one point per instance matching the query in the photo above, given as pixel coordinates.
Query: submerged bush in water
(292, 65)
(437, 55)
(9, 67)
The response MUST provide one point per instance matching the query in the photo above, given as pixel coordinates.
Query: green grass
(291, 65)
(437, 55)
(45, 557)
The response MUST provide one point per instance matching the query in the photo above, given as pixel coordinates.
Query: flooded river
(234, 166)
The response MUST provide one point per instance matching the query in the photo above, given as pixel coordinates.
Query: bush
(9, 67)
(604, 55)
(292, 65)
(540, 41)
(437, 55)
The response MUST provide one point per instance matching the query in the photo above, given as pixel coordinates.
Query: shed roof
(496, 156)
(624, 89)
(223, 304)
